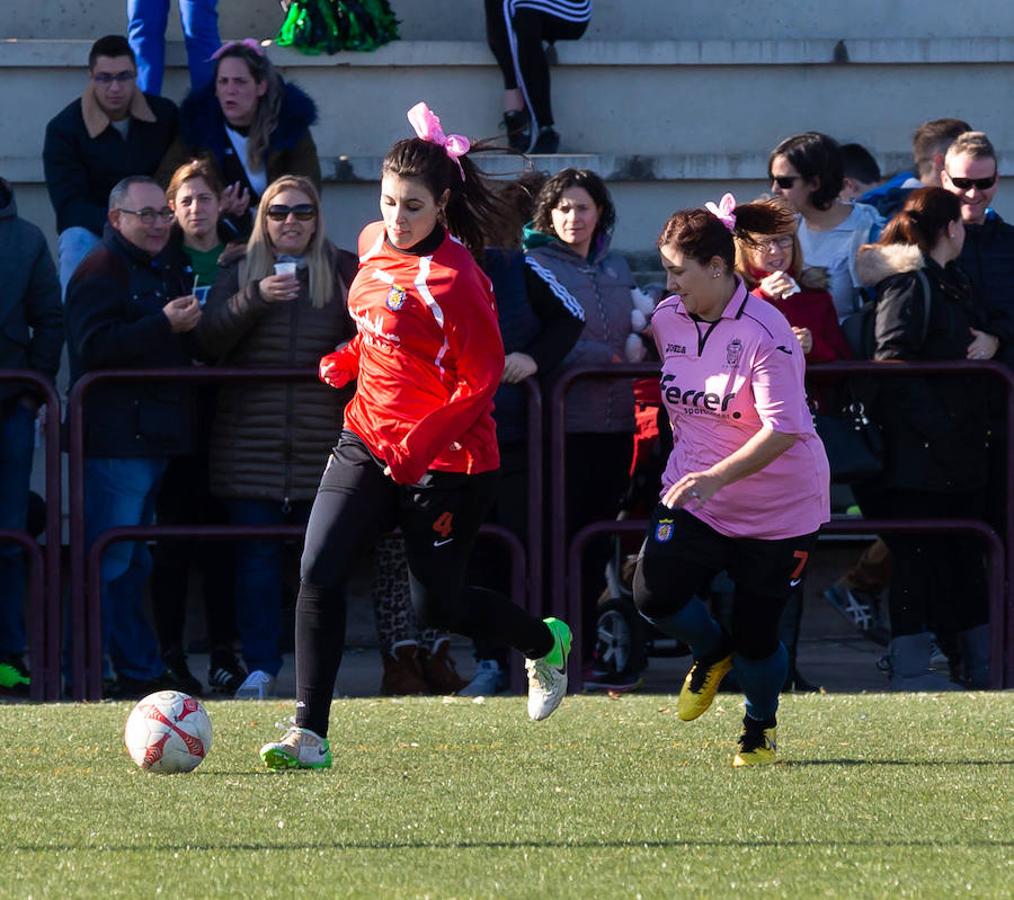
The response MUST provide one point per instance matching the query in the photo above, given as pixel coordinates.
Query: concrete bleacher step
(668, 123)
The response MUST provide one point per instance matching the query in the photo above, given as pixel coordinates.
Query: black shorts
(681, 555)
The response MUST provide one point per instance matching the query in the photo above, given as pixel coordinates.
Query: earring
(715, 273)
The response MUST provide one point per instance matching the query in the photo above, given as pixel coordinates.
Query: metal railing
(564, 575)
(43, 616)
(85, 562)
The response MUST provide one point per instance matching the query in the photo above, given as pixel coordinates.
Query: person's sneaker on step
(518, 127)
(701, 684)
(490, 678)
(439, 671)
(861, 609)
(176, 662)
(547, 676)
(298, 748)
(258, 685)
(758, 744)
(15, 679)
(225, 673)
(604, 678)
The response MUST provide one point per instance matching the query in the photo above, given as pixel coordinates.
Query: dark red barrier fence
(43, 616)
(562, 557)
(86, 654)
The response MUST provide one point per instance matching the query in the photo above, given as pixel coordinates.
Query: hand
(517, 367)
(234, 201)
(983, 346)
(183, 313)
(778, 284)
(805, 338)
(279, 288)
(696, 488)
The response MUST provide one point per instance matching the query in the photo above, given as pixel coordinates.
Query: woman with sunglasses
(936, 437)
(253, 125)
(807, 171)
(418, 450)
(746, 487)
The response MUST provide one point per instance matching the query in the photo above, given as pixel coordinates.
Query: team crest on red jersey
(396, 298)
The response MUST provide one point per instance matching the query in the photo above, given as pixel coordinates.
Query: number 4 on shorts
(444, 524)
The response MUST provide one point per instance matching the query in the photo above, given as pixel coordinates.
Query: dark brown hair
(922, 219)
(701, 235)
(552, 190)
(476, 213)
(934, 137)
(814, 155)
(112, 45)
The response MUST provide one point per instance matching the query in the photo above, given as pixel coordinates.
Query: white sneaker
(489, 679)
(547, 677)
(299, 748)
(258, 686)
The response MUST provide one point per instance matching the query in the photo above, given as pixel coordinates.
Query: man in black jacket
(31, 335)
(113, 130)
(127, 309)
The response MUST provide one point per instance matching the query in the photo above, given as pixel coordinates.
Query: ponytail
(920, 221)
(475, 212)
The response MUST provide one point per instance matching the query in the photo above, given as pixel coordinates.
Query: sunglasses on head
(303, 212)
(964, 184)
(785, 181)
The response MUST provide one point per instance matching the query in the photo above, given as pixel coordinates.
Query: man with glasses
(127, 309)
(112, 131)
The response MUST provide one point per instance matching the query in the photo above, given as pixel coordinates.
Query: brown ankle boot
(439, 671)
(403, 671)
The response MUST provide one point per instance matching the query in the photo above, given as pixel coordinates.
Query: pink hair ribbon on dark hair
(427, 127)
(725, 211)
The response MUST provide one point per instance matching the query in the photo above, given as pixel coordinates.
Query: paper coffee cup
(285, 268)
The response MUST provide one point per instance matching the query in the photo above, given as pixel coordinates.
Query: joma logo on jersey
(700, 400)
(675, 350)
(395, 298)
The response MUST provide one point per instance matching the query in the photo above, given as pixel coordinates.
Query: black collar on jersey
(425, 247)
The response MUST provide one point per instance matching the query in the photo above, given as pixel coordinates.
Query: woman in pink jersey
(746, 486)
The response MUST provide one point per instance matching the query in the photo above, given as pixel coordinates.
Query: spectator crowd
(195, 235)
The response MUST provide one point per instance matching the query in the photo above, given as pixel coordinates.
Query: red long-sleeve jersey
(428, 358)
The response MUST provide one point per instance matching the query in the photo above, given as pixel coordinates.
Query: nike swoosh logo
(441, 543)
(795, 582)
(784, 349)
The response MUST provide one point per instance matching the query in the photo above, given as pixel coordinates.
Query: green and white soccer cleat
(547, 676)
(299, 748)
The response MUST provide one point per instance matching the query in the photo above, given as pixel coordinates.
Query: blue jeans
(259, 582)
(17, 432)
(73, 245)
(122, 492)
(146, 24)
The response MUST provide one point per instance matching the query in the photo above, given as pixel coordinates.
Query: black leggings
(439, 518)
(517, 44)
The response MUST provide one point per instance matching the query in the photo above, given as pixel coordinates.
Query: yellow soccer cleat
(701, 685)
(758, 746)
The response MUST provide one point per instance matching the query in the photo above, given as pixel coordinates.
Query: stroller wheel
(619, 638)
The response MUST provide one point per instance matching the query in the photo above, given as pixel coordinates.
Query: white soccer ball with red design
(168, 732)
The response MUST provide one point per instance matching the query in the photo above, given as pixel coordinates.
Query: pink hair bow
(427, 126)
(724, 212)
(249, 43)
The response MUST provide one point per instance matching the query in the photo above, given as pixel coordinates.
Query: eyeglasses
(785, 181)
(149, 216)
(965, 184)
(106, 79)
(304, 212)
(782, 242)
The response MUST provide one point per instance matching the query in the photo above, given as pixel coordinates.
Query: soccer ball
(168, 732)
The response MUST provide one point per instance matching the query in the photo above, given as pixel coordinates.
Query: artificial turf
(875, 795)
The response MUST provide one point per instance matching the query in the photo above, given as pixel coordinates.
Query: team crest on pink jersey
(733, 352)
(396, 298)
(664, 531)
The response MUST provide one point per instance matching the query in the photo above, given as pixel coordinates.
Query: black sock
(320, 640)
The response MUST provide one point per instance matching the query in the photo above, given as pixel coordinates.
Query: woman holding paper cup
(773, 268)
(279, 301)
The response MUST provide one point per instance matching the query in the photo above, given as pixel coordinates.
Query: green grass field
(875, 795)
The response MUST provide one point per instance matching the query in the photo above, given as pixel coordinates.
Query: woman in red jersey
(418, 449)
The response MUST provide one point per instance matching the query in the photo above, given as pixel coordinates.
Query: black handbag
(853, 443)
